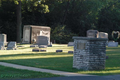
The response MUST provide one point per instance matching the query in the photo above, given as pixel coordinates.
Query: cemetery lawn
(11, 73)
(59, 61)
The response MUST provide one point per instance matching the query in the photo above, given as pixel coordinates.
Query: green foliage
(109, 18)
(8, 19)
(61, 35)
(77, 15)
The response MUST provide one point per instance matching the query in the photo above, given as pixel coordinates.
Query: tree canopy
(65, 17)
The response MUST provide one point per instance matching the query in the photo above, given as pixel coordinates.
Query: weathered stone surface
(59, 50)
(42, 40)
(92, 34)
(11, 46)
(2, 46)
(112, 44)
(3, 38)
(89, 53)
(71, 44)
(103, 35)
(30, 33)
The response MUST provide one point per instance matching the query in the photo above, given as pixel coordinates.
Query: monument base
(112, 44)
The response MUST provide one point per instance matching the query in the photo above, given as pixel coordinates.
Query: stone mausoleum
(30, 33)
(89, 53)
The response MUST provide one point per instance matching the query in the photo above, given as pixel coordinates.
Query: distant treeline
(67, 18)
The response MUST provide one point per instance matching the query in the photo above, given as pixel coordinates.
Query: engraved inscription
(81, 45)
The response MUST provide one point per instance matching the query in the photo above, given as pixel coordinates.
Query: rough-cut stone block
(70, 52)
(89, 53)
(35, 50)
(59, 50)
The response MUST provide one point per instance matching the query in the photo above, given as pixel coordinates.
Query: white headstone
(112, 44)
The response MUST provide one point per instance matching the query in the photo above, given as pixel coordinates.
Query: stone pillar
(89, 53)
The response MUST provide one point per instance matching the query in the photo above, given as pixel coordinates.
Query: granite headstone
(112, 44)
(42, 40)
(92, 33)
(2, 46)
(11, 46)
(71, 44)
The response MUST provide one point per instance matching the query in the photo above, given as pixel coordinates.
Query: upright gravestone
(2, 46)
(11, 46)
(92, 34)
(103, 35)
(30, 33)
(112, 44)
(42, 40)
(3, 38)
(89, 53)
(71, 44)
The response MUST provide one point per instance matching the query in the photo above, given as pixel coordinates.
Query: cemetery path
(69, 75)
(115, 77)
(42, 70)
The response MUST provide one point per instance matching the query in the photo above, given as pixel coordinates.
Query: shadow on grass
(56, 63)
(65, 64)
(36, 54)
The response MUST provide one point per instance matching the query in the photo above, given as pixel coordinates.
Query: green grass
(59, 61)
(11, 73)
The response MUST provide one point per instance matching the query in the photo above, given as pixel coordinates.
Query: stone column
(89, 53)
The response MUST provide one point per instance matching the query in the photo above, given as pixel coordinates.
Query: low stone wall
(89, 53)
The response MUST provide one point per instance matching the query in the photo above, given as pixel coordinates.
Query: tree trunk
(19, 22)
